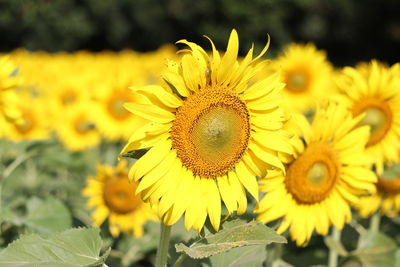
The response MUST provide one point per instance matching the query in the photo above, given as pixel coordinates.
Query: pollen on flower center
(119, 195)
(311, 177)
(297, 82)
(378, 116)
(211, 132)
(318, 173)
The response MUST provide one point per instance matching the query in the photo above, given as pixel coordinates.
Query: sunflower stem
(333, 256)
(375, 222)
(162, 250)
(179, 261)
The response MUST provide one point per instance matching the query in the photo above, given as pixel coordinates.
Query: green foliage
(251, 256)
(71, 248)
(238, 243)
(47, 216)
(40, 194)
(376, 249)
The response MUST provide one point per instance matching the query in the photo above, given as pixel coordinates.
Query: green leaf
(376, 249)
(239, 235)
(397, 255)
(250, 256)
(47, 216)
(71, 248)
(135, 154)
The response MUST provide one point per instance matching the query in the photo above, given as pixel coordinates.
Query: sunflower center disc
(119, 195)
(318, 173)
(215, 133)
(389, 181)
(211, 132)
(116, 108)
(297, 82)
(26, 125)
(83, 126)
(68, 97)
(378, 116)
(311, 177)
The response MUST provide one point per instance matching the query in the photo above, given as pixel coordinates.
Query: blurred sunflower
(374, 90)
(210, 134)
(307, 75)
(9, 81)
(387, 197)
(113, 120)
(328, 172)
(75, 126)
(32, 123)
(112, 196)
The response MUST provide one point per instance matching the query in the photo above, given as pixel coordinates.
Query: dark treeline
(350, 31)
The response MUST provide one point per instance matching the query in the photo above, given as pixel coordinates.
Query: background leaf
(71, 248)
(376, 249)
(47, 216)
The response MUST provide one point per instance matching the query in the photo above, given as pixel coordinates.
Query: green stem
(333, 256)
(179, 261)
(162, 250)
(375, 222)
(10, 168)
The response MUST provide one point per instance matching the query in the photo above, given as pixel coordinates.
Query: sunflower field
(201, 152)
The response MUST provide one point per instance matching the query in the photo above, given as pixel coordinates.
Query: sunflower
(113, 120)
(113, 197)
(75, 126)
(32, 123)
(9, 81)
(328, 172)
(210, 135)
(307, 75)
(387, 197)
(374, 90)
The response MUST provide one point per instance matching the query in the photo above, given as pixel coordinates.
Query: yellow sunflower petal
(154, 113)
(247, 179)
(147, 162)
(158, 94)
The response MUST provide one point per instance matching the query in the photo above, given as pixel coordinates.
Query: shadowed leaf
(376, 249)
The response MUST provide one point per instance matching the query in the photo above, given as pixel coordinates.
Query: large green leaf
(71, 248)
(47, 216)
(239, 235)
(249, 256)
(376, 249)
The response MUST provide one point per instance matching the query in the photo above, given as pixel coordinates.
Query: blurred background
(350, 31)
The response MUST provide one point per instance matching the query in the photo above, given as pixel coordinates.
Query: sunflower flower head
(75, 126)
(112, 196)
(209, 134)
(373, 89)
(328, 173)
(307, 74)
(387, 197)
(9, 81)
